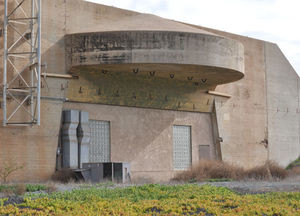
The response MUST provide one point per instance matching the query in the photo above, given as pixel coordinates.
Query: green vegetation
(189, 199)
(26, 188)
(35, 187)
(295, 163)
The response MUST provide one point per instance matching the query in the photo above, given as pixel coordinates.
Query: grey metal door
(182, 155)
(100, 141)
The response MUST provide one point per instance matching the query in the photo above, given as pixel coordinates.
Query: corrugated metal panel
(182, 157)
(100, 141)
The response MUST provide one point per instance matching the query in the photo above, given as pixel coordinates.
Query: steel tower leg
(22, 63)
(5, 63)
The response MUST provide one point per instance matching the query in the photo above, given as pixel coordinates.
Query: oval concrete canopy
(149, 44)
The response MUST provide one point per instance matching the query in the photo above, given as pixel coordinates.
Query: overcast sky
(277, 21)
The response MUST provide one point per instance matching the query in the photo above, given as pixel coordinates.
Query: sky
(277, 21)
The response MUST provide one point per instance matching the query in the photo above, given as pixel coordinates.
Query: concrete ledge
(212, 57)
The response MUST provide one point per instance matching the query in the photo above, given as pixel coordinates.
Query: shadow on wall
(54, 56)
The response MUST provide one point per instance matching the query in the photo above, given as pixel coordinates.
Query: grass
(220, 170)
(152, 199)
(294, 168)
(35, 187)
(295, 163)
(20, 189)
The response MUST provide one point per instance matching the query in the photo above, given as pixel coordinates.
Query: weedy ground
(154, 199)
(210, 169)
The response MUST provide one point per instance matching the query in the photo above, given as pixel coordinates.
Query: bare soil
(291, 184)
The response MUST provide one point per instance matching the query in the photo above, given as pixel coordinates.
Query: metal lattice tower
(22, 62)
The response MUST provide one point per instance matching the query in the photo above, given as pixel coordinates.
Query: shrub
(20, 189)
(7, 190)
(64, 175)
(258, 173)
(295, 163)
(51, 188)
(10, 190)
(277, 171)
(207, 169)
(294, 168)
(7, 169)
(295, 171)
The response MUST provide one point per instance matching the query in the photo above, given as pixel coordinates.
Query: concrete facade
(260, 120)
(263, 109)
(283, 107)
(143, 137)
(243, 118)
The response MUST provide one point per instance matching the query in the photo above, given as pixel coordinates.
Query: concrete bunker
(149, 79)
(153, 70)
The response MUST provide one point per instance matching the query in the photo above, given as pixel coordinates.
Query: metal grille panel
(100, 141)
(182, 157)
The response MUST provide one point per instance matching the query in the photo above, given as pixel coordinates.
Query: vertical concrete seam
(267, 104)
(65, 16)
(217, 133)
(297, 111)
(298, 92)
(65, 55)
(213, 136)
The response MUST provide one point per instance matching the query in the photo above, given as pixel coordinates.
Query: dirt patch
(257, 187)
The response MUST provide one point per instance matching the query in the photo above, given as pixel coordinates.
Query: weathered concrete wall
(82, 16)
(250, 117)
(243, 116)
(35, 147)
(60, 17)
(1, 39)
(144, 137)
(217, 59)
(53, 32)
(283, 106)
(139, 90)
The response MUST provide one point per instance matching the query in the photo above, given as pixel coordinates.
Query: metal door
(100, 141)
(182, 157)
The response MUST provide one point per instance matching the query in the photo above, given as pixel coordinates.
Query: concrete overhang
(187, 54)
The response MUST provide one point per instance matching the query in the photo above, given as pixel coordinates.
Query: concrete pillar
(70, 142)
(84, 137)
